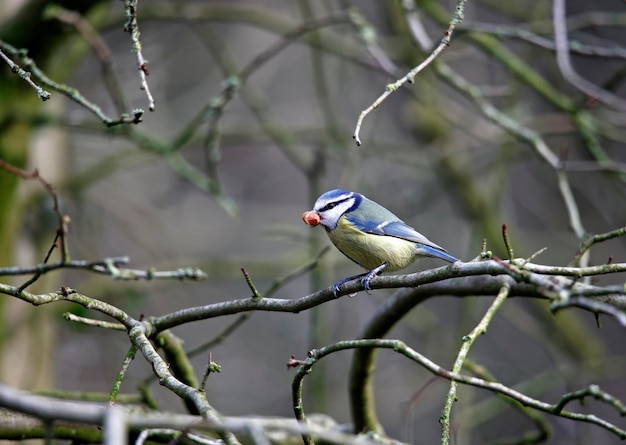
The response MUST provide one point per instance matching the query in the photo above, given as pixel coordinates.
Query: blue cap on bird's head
(335, 194)
(330, 206)
(369, 234)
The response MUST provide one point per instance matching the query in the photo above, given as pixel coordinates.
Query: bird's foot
(365, 279)
(344, 281)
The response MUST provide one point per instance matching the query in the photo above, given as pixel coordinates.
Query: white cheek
(331, 216)
(334, 214)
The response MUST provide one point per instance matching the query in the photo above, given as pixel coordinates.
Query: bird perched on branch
(369, 234)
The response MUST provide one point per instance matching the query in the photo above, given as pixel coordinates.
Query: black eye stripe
(333, 204)
(356, 198)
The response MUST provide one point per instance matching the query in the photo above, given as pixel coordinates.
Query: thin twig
(23, 74)
(457, 18)
(131, 26)
(135, 117)
(281, 281)
(507, 242)
(219, 338)
(256, 295)
(59, 241)
(595, 306)
(130, 355)
(211, 366)
(468, 341)
(586, 244)
(595, 392)
(92, 322)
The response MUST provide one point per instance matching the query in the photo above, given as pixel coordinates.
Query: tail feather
(436, 253)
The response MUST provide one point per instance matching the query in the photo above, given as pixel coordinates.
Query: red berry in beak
(311, 218)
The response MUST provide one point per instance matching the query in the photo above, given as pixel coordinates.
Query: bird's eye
(330, 205)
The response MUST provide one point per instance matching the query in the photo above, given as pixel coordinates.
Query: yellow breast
(370, 251)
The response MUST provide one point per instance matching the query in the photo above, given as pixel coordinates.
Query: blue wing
(399, 229)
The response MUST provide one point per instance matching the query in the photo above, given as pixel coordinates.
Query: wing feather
(397, 229)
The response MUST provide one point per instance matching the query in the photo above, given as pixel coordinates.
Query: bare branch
(468, 341)
(565, 64)
(135, 117)
(401, 348)
(457, 18)
(131, 26)
(24, 75)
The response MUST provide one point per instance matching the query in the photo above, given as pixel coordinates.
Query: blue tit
(369, 234)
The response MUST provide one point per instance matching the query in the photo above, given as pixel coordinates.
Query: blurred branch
(259, 107)
(130, 355)
(60, 239)
(278, 283)
(260, 18)
(543, 430)
(135, 117)
(509, 124)
(110, 267)
(99, 47)
(175, 436)
(565, 65)
(457, 18)
(254, 99)
(521, 33)
(214, 109)
(221, 337)
(585, 123)
(49, 409)
(573, 213)
(588, 19)
(496, 387)
(369, 36)
(591, 166)
(468, 341)
(180, 367)
(524, 133)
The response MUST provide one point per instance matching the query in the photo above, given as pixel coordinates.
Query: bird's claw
(343, 281)
(371, 274)
(336, 288)
(365, 281)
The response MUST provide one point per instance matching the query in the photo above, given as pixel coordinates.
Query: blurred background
(217, 178)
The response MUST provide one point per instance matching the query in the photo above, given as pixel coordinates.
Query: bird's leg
(371, 274)
(365, 281)
(345, 280)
